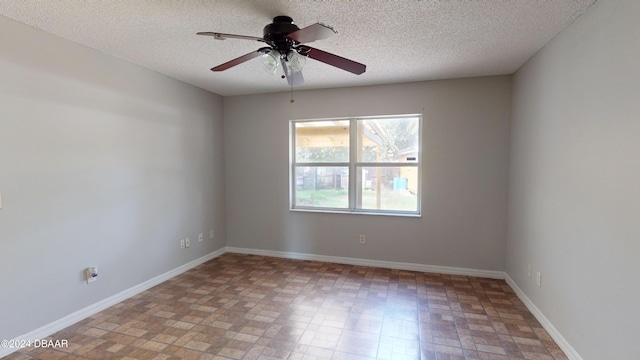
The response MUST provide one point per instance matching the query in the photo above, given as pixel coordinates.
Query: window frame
(354, 167)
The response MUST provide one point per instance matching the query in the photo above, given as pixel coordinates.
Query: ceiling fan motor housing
(275, 34)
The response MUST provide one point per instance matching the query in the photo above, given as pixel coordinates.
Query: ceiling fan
(286, 45)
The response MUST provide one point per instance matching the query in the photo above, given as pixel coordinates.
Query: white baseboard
(571, 353)
(81, 314)
(374, 263)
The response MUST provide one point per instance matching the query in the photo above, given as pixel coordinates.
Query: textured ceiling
(399, 41)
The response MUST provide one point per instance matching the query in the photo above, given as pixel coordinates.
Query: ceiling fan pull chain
(291, 101)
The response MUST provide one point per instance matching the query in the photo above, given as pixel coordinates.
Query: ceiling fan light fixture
(295, 62)
(270, 61)
(285, 46)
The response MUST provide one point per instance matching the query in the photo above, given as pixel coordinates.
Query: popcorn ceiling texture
(399, 41)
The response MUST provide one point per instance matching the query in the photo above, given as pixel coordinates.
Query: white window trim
(353, 166)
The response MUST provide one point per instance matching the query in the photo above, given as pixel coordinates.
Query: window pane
(322, 186)
(322, 141)
(388, 140)
(388, 188)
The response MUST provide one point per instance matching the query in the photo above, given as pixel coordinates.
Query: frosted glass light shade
(270, 61)
(296, 62)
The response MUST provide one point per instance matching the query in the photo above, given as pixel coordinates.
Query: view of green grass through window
(382, 153)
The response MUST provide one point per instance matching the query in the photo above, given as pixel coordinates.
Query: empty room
(301, 179)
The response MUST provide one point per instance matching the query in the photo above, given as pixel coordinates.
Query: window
(361, 165)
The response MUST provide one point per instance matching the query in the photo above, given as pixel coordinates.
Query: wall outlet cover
(91, 274)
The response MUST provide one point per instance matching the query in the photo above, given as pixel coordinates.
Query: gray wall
(465, 138)
(101, 163)
(574, 199)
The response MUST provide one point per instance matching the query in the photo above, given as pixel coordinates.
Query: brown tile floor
(254, 307)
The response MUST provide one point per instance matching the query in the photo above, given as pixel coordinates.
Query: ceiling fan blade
(222, 36)
(312, 33)
(333, 60)
(293, 79)
(237, 61)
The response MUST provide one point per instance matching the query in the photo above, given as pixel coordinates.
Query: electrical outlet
(362, 240)
(199, 237)
(211, 234)
(91, 273)
(529, 270)
(187, 242)
(182, 244)
(538, 278)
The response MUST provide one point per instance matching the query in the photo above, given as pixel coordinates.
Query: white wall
(101, 163)
(574, 199)
(465, 138)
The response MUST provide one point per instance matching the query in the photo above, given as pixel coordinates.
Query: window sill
(357, 212)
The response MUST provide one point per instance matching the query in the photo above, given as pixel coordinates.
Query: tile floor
(254, 307)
